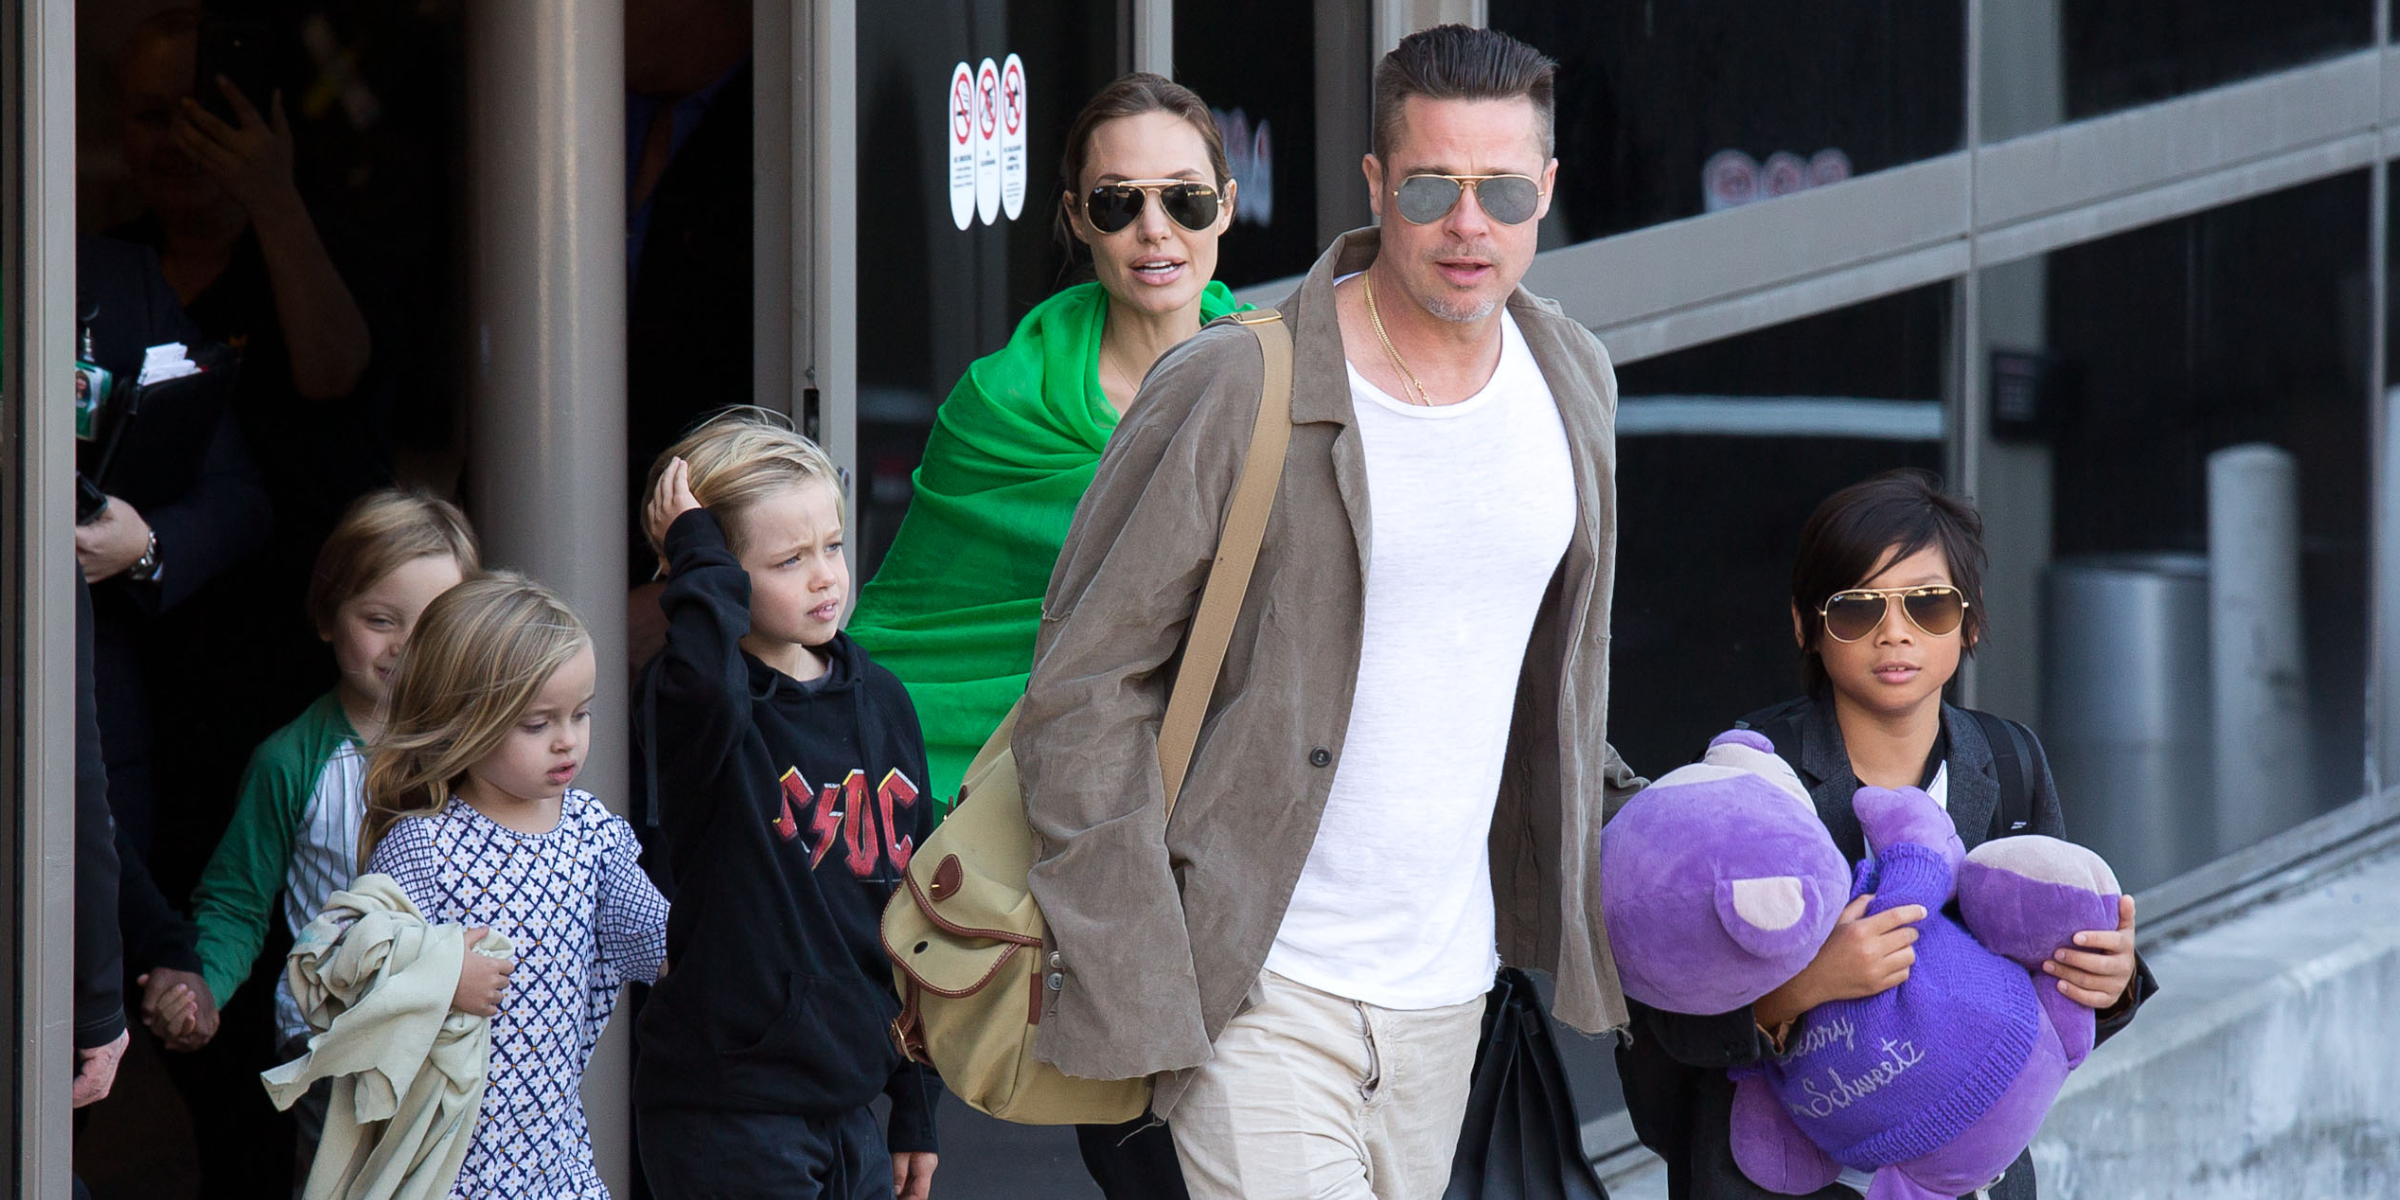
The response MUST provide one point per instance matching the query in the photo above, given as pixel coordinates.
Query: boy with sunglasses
(1886, 599)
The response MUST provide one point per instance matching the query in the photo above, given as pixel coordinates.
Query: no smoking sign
(961, 101)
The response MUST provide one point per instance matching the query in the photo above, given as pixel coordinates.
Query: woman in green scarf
(955, 606)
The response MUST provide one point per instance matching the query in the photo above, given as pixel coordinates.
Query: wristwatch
(145, 569)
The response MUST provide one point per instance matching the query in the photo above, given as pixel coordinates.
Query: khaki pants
(1313, 1097)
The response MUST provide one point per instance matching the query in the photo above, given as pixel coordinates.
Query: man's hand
(482, 979)
(178, 1007)
(2097, 975)
(251, 160)
(912, 1174)
(114, 540)
(1863, 956)
(670, 499)
(96, 1071)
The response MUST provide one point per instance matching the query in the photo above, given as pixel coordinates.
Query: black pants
(1132, 1161)
(717, 1154)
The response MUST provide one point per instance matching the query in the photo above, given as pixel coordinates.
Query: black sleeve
(155, 934)
(1712, 1043)
(220, 522)
(703, 708)
(99, 948)
(915, 1089)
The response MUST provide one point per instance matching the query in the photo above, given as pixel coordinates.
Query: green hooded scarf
(954, 609)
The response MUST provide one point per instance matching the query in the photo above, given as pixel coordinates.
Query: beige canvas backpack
(963, 931)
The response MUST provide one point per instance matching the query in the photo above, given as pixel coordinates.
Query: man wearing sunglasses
(1400, 781)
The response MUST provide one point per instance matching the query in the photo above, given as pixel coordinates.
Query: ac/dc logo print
(867, 831)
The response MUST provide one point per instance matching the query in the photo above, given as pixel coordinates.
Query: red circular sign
(960, 108)
(987, 89)
(1013, 89)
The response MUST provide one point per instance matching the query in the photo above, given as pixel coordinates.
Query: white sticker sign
(961, 105)
(987, 141)
(1012, 136)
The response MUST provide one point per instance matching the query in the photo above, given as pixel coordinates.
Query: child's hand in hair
(670, 499)
(482, 979)
(2097, 974)
(1863, 956)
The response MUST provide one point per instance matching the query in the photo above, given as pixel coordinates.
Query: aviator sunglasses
(1508, 199)
(1113, 206)
(1854, 614)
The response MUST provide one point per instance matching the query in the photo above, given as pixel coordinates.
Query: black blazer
(1672, 1067)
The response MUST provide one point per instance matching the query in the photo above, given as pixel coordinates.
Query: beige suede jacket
(1160, 927)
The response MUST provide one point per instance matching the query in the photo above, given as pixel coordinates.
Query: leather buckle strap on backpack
(964, 933)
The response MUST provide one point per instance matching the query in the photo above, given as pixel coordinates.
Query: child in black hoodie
(789, 770)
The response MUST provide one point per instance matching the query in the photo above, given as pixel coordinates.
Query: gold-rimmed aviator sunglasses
(1936, 610)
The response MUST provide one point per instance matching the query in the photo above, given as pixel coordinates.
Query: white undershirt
(1473, 505)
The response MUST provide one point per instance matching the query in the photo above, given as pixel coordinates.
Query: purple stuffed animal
(1719, 883)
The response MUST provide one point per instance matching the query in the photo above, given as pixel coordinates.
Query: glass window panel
(1672, 110)
(2048, 61)
(931, 296)
(1722, 451)
(2217, 361)
(1288, 85)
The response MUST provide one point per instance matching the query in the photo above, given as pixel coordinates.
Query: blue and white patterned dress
(586, 921)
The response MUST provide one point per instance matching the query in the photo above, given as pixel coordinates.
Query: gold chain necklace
(1424, 399)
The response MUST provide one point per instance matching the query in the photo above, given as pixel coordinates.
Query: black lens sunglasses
(1111, 207)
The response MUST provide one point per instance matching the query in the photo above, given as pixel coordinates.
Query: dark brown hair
(1455, 62)
(1131, 96)
(1885, 519)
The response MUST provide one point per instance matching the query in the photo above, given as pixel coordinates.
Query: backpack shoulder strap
(1237, 552)
(2014, 812)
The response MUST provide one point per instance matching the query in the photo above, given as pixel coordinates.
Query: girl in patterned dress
(469, 808)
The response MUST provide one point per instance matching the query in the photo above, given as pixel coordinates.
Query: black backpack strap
(649, 745)
(2014, 812)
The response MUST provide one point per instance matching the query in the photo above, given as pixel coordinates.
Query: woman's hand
(1863, 956)
(482, 979)
(912, 1174)
(670, 499)
(251, 160)
(113, 541)
(2097, 975)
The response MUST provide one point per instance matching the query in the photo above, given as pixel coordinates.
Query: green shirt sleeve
(235, 897)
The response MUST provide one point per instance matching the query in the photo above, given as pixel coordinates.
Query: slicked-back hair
(1131, 96)
(1863, 527)
(1456, 62)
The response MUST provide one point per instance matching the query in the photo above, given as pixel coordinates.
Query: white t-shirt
(1472, 507)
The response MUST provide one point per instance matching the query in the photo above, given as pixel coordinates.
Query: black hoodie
(789, 811)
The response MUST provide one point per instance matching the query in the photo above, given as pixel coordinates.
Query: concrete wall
(2266, 1066)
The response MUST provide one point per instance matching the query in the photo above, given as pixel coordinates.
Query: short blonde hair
(742, 455)
(381, 532)
(478, 657)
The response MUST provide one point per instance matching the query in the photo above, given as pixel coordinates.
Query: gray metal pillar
(546, 105)
(37, 75)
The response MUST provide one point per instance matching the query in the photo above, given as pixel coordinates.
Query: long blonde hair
(478, 657)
